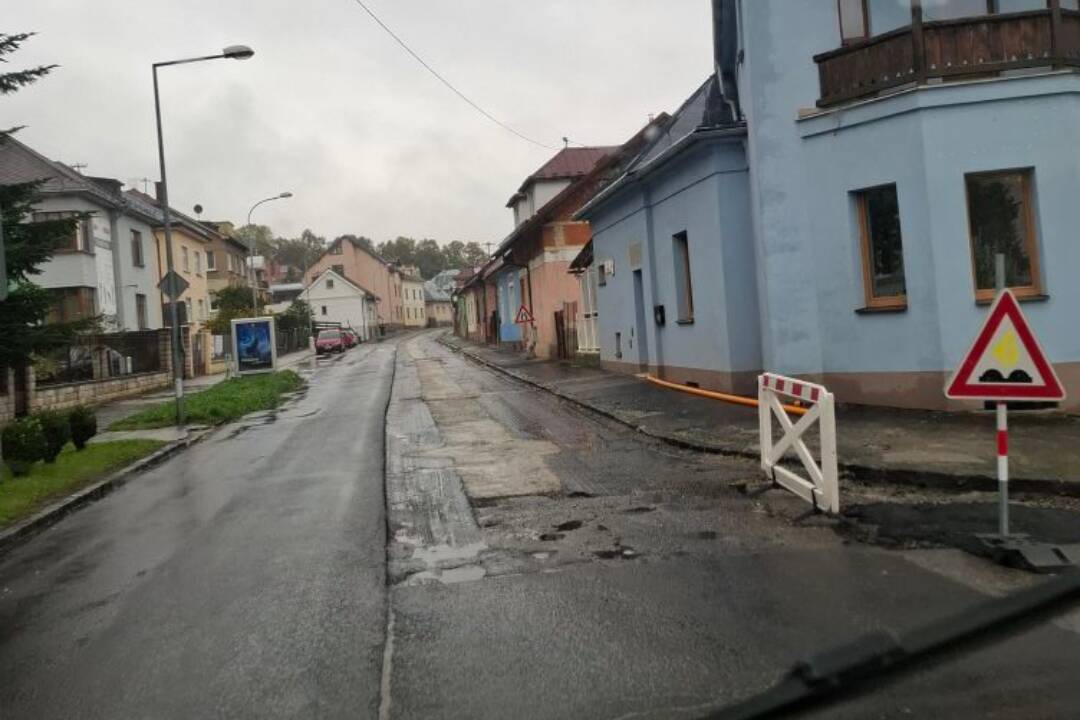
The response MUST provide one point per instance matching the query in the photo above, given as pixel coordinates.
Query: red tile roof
(571, 163)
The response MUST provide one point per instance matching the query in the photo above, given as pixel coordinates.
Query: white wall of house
(110, 269)
(137, 279)
(334, 299)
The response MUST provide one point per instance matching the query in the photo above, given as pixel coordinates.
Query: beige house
(413, 303)
(191, 240)
(226, 261)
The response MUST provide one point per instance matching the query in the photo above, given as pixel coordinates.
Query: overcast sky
(333, 110)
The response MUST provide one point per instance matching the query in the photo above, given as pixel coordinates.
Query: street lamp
(251, 246)
(233, 52)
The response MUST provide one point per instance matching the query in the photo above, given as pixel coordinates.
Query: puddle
(435, 554)
(549, 537)
(467, 573)
(569, 525)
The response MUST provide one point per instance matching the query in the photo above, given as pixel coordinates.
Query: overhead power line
(446, 82)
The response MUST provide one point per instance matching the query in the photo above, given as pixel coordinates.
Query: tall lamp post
(251, 247)
(233, 52)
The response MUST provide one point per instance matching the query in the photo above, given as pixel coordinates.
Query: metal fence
(291, 340)
(100, 357)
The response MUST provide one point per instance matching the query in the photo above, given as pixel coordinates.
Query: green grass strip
(20, 497)
(219, 404)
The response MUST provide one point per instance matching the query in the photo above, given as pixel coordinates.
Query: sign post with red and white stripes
(1005, 363)
(820, 488)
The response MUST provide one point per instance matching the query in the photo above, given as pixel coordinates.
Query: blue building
(829, 203)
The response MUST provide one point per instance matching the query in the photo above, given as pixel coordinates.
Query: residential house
(532, 262)
(336, 299)
(438, 306)
(226, 262)
(364, 268)
(838, 220)
(544, 235)
(413, 301)
(190, 241)
(108, 268)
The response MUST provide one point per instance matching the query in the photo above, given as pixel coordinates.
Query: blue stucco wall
(509, 303)
(703, 192)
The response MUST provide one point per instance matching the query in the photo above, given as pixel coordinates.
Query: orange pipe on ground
(712, 395)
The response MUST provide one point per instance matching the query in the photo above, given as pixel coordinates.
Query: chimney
(726, 51)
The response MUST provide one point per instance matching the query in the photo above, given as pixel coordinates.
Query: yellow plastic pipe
(712, 395)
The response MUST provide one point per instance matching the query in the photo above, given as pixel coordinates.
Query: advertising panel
(254, 344)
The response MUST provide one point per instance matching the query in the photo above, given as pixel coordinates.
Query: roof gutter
(640, 173)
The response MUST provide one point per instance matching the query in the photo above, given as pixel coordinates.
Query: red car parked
(329, 341)
(351, 339)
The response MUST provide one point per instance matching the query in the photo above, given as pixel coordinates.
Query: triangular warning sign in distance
(523, 315)
(1005, 362)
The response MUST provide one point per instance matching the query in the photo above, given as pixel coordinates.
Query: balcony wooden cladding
(945, 49)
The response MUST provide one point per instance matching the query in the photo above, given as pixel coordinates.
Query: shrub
(83, 423)
(24, 444)
(57, 433)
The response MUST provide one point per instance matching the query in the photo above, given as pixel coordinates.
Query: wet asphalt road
(242, 578)
(247, 577)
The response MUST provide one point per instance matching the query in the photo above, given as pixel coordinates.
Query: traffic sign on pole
(523, 316)
(173, 285)
(1005, 362)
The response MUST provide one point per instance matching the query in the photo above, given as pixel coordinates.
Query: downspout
(118, 264)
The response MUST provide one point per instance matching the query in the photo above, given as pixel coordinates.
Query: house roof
(20, 163)
(583, 259)
(355, 286)
(704, 112)
(356, 244)
(189, 223)
(609, 167)
(434, 293)
(567, 164)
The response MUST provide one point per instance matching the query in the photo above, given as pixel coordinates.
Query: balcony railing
(949, 49)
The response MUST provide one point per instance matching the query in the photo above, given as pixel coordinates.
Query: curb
(859, 473)
(23, 531)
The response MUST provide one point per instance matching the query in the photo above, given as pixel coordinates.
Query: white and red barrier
(821, 487)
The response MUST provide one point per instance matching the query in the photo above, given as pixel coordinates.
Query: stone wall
(58, 397)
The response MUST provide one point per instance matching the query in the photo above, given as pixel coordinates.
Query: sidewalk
(110, 412)
(947, 450)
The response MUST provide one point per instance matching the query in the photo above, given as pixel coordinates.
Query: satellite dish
(198, 209)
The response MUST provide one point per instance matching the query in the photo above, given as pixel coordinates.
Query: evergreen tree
(27, 245)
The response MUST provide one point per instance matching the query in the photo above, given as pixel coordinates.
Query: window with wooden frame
(684, 287)
(137, 249)
(882, 248)
(1001, 219)
(854, 24)
(79, 240)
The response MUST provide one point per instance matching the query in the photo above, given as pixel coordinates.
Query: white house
(110, 266)
(336, 299)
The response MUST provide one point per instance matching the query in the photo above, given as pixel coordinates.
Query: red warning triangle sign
(523, 315)
(1005, 362)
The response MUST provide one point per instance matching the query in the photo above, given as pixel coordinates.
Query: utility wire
(446, 82)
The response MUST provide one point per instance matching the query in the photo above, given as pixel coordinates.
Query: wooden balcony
(949, 50)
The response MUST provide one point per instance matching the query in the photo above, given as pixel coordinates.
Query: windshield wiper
(844, 670)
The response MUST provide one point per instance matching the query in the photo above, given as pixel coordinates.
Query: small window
(198, 262)
(211, 263)
(1000, 220)
(140, 311)
(137, 249)
(323, 309)
(684, 287)
(184, 263)
(882, 247)
(329, 283)
(202, 309)
(853, 25)
(335, 249)
(601, 275)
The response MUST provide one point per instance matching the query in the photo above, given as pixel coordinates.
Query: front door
(641, 343)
